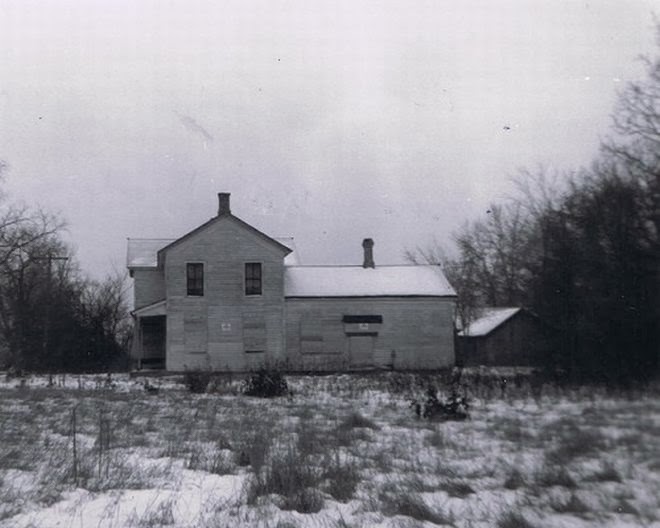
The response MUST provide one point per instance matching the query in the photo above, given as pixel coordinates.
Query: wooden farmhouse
(228, 297)
(500, 337)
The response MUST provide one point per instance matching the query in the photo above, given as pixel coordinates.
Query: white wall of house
(415, 333)
(149, 286)
(218, 329)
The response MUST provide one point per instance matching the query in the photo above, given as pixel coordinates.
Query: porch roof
(157, 308)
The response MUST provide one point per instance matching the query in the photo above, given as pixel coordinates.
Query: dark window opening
(373, 319)
(253, 278)
(195, 279)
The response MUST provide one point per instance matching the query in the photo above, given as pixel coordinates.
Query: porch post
(138, 350)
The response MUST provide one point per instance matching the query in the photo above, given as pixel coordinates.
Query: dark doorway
(153, 331)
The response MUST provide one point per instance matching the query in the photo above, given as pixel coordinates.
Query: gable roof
(219, 218)
(488, 320)
(143, 252)
(146, 252)
(356, 281)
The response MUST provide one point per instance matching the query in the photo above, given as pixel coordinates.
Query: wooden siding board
(419, 331)
(516, 342)
(148, 287)
(224, 247)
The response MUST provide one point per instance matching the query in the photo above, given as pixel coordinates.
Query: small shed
(500, 337)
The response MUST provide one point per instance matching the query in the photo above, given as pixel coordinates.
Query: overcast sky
(327, 121)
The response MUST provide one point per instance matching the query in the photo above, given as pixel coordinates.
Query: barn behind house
(228, 297)
(501, 337)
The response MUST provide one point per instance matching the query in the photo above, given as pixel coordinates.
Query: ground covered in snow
(341, 451)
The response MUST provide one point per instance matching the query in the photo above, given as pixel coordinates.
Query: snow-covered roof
(293, 258)
(356, 281)
(143, 252)
(489, 319)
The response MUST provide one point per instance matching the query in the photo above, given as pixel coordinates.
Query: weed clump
(341, 478)
(289, 475)
(196, 381)
(266, 383)
(253, 450)
(455, 407)
(411, 505)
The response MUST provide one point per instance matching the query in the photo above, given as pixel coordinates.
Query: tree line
(581, 251)
(52, 317)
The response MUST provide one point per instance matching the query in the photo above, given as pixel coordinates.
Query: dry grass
(513, 519)
(563, 453)
(412, 505)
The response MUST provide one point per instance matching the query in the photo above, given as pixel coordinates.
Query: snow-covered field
(342, 451)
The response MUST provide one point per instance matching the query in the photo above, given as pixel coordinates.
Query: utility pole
(49, 287)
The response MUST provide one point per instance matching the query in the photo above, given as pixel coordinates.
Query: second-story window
(195, 278)
(252, 278)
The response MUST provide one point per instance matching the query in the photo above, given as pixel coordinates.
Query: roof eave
(395, 295)
(519, 310)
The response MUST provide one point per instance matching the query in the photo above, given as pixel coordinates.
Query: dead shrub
(266, 382)
(196, 381)
(455, 407)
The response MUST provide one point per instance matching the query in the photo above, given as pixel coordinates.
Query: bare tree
(51, 316)
(26, 237)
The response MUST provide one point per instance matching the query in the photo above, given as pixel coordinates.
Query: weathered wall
(415, 333)
(148, 287)
(215, 330)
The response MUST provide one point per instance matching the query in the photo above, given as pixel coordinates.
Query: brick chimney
(368, 245)
(223, 204)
